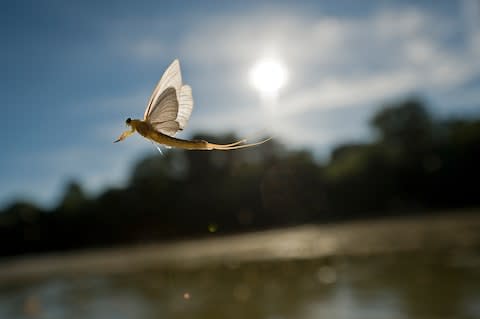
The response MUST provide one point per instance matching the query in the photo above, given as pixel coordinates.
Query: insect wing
(164, 113)
(185, 106)
(172, 77)
(171, 103)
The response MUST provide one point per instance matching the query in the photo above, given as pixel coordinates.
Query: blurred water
(420, 285)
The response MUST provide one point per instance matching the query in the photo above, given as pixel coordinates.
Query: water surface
(403, 285)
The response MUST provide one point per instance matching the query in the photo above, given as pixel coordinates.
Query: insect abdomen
(176, 142)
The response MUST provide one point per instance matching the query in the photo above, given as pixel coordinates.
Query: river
(408, 268)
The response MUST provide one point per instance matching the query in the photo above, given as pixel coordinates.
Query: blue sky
(71, 72)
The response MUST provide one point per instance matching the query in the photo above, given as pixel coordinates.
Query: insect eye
(128, 120)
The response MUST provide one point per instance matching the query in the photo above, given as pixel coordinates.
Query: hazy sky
(72, 72)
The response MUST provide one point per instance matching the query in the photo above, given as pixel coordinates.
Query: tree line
(416, 164)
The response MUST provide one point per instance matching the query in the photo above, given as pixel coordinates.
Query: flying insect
(168, 111)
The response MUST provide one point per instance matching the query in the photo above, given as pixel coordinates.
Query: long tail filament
(235, 145)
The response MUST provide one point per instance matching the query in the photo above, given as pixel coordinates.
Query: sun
(268, 76)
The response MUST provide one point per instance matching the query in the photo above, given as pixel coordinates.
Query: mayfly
(168, 111)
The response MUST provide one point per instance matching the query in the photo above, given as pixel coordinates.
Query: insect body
(168, 111)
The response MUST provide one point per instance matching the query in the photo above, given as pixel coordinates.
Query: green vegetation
(417, 164)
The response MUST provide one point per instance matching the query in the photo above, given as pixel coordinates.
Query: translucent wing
(172, 77)
(185, 106)
(171, 103)
(164, 113)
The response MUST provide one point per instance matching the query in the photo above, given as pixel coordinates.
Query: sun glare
(268, 76)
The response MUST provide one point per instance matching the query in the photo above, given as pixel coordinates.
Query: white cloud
(332, 47)
(335, 62)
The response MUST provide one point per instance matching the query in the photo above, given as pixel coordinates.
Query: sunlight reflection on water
(388, 286)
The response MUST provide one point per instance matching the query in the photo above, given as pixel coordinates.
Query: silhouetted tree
(406, 125)
(73, 198)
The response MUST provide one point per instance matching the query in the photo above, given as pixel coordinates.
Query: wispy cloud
(334, 62)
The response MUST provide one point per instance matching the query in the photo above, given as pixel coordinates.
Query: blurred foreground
(376, 246)
(399, 268)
